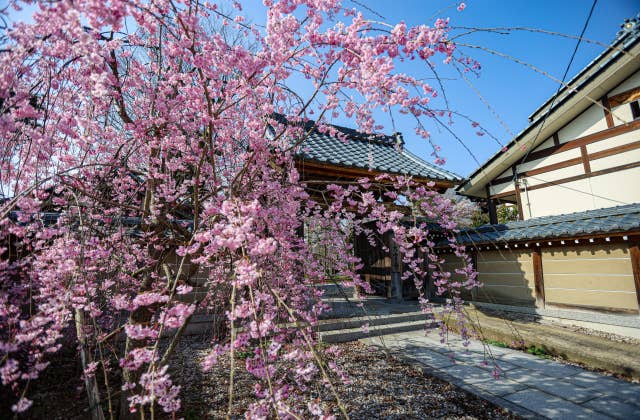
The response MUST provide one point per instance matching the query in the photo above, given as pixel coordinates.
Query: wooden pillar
(491, 206)
(519, 200)
(538, 276)
(607, 111)
(634, 254)
(396, 270)
(300, 231)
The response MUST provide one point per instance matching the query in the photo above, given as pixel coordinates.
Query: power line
(562, 84)
(557, 184)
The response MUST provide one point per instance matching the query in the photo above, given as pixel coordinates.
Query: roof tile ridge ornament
(399, 140)
(629, 25)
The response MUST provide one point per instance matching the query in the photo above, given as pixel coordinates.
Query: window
(635, 109)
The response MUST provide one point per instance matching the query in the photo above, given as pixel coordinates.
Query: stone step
(372, 320)
(335, 290)
(342, 308)
(352, 334)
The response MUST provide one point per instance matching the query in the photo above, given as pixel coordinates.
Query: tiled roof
(610, 220)
(376, 152)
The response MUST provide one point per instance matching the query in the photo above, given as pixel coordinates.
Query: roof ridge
(431, 166)
(551, 219)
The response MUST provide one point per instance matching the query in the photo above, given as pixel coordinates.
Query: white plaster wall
(616, 160)
(616, 188)
(500, 188)
(556, 175)
(609, 143)
(622, 114)
(632, 82)
(559, 199)
(549, 160)
(506, 173)
(545, 144)
(590, 121)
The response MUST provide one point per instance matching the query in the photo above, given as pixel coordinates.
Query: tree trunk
(93, 394)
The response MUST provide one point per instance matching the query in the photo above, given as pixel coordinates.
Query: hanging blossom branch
(145, 156)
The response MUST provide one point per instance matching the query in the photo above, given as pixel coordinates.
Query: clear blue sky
(511, 89)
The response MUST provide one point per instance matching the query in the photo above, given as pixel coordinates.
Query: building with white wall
(574, 175)
(581, 150)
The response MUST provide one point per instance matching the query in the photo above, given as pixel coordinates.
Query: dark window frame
(635, 109)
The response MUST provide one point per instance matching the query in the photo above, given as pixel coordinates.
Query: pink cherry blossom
(149, 178)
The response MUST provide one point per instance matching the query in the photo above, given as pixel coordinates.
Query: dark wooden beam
(625, 97)
(583, 141)
(607, 111)
(538, 277)
(491, 206)
(504, 194)
(615, 150)
(583, 176)
(519, 202)
(585, 159)
(498, 181)
(553, 167)
(324, 171)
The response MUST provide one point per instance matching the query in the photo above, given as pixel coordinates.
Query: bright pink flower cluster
(148, 176)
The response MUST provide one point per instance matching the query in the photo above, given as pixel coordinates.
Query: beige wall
(451, 263)
(596, 276)
(590, 121)
(507, 277)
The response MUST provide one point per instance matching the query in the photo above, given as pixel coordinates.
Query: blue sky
(512, 90)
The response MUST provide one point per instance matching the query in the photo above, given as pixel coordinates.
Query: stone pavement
(528, 385)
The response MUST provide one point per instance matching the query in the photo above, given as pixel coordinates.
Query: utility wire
(564, 76)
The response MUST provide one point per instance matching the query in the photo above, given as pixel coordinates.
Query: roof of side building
(612, 220)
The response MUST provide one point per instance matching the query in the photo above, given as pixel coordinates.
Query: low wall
(506, 276)
(594, 276)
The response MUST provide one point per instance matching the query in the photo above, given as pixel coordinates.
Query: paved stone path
(528, 385)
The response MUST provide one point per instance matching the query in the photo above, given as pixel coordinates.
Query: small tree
(165, 153)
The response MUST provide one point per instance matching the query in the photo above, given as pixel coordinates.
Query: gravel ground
(382, 388)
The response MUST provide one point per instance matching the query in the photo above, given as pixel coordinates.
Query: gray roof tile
(363, 151)
(601, 221)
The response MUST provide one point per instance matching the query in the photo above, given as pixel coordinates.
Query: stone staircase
(345, 321)
(351, 318)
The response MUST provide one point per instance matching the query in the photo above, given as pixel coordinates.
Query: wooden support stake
(474, 262)
(634, 254)
(538, 276)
